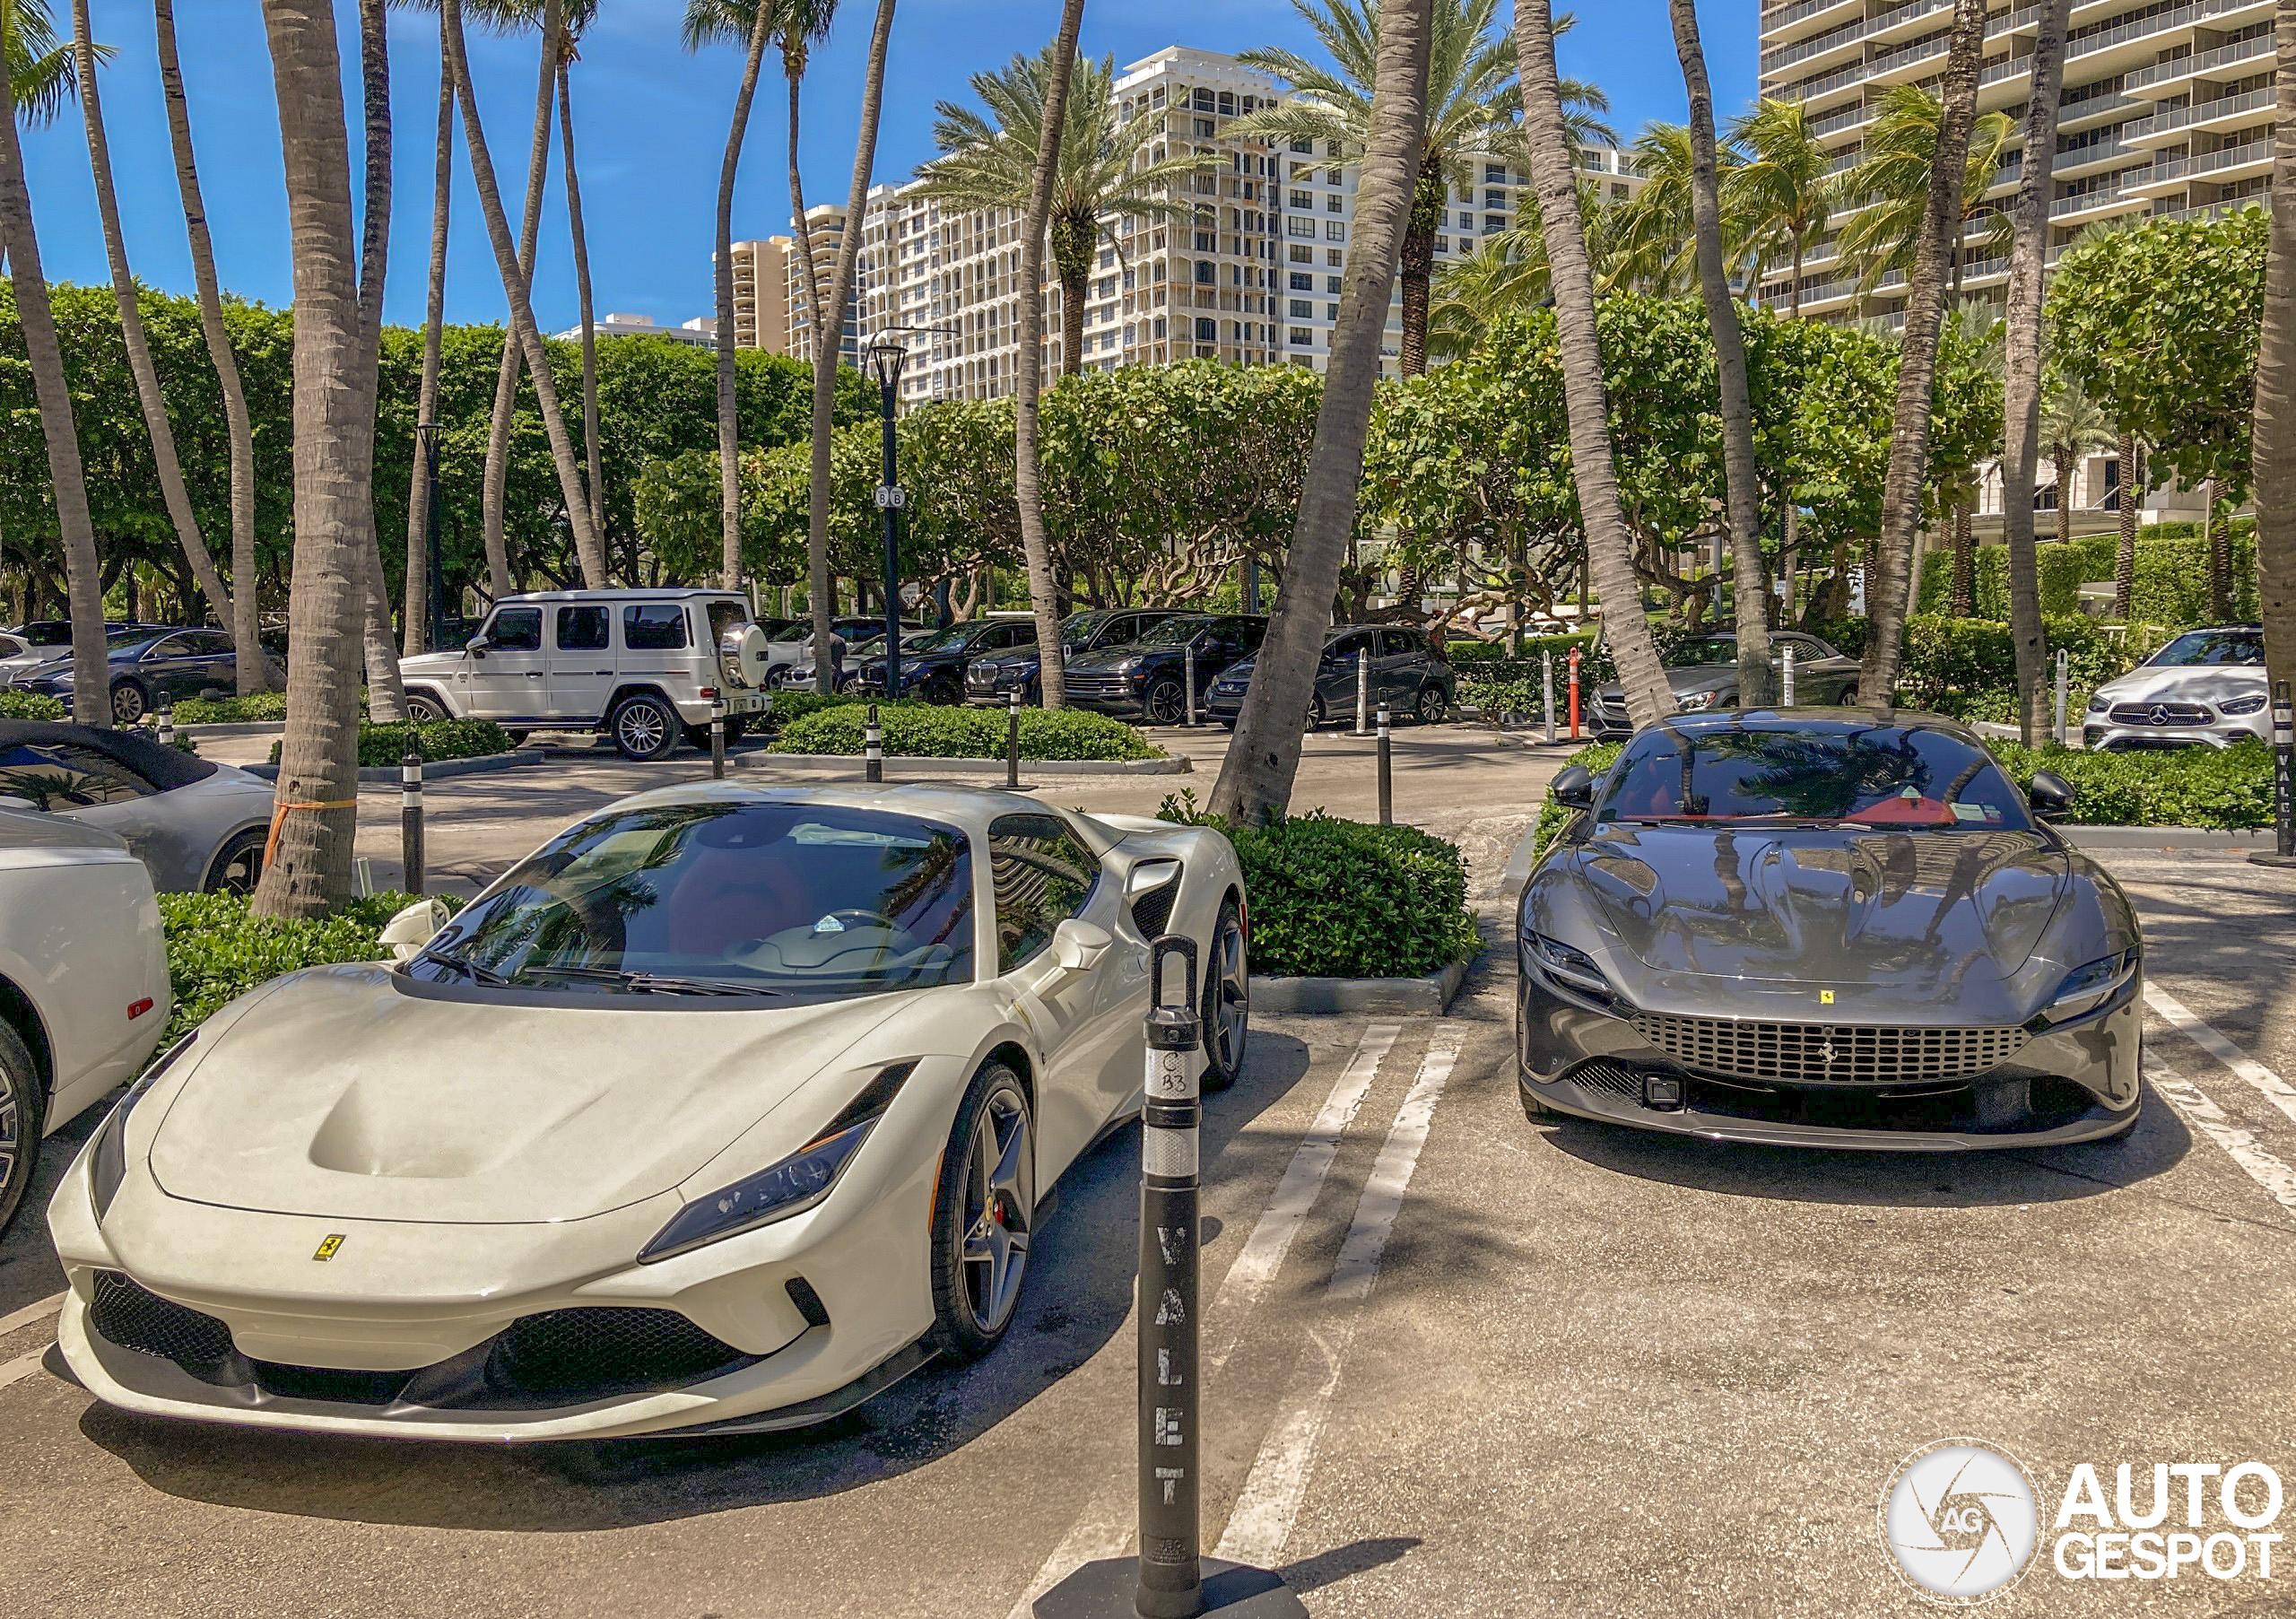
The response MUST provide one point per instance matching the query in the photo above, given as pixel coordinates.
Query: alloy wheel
(1430, 707)
(127, 703)
(1228, 1019)
(999, 1203)
(1167, 703)
(640, 729)
(11, 1128)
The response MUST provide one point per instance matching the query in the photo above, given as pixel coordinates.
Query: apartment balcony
(2095, 111)
(1842, 122)
(2092, 204)
(2165, 128)
(2222, 167)
(2165, 79)
(1799, 18)
(2257, 199)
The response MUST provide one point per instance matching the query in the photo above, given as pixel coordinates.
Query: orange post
(1574, 693)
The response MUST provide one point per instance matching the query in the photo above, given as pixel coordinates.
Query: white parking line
(2197, 1029)
(30, 1314)
(1106, 1525)
(1270, 1501)
(22, 1366)
(2211, 1121)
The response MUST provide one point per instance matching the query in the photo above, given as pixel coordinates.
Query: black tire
(1430, 706)
(1166, 703)
(645, 728)
(967, 1321)
(24, 1113)
(1317, 718)
(1535, 1111)
(944, 690)
(1848, 698)
(1227, 1008)
(1227, 725)
(238, 866)
(129, 702)
(423, 710)
(517, 738)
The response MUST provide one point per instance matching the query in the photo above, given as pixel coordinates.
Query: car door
(213, 665)
(581, 669)
(1402, 665)
(507, 679)
(163, 665)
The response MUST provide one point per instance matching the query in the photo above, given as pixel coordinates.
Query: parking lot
(1457, 1363)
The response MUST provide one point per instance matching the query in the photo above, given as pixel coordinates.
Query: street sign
(891, 495)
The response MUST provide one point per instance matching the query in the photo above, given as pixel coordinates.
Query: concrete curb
(913, 769)
(1410, 997)
(439, 772)
(252, 727)
(2166, 837)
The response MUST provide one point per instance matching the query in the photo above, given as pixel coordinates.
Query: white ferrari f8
(721, 1112)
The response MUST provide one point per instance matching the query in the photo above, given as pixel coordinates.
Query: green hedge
(29, 705)
(386, 745)
(1341, 899)
(217, 951)
(2170, 587)
(252, 709)
(924, 730)
(2212, 788)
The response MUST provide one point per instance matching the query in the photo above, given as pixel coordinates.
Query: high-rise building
(700, 332)
(2167, 110)
(825, 231)
(761, 293)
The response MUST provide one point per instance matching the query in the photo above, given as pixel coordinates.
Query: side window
(517, 630)
(723, 615)
(1395, 643)
(175, 646)
(1343, 650)
(209, 643)
(1043, 875)
(659, 628)
(582, 628)
(59, 775)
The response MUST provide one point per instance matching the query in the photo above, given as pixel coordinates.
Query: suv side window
(582, 628)
(209, 643)
(516, 630)
(175, 646)
(1395, 643)
(658, 627)
(1043, 875)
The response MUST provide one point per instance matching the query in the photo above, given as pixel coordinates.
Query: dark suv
(934, 667)
(1401, 669)
(1143, 680)
(992, 680)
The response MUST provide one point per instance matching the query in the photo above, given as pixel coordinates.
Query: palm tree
(1891, 180)
(1609, 547)
(1506, 272)
(1256, 777)
(37, 74)
(1888, 579)
(1977, 332)
(1653, 242)
(990, 163)
(2072, 426)
(419, 587)
(798, 26)
(2274, 433)
(308, 866)
(593, 454)
(255, 670)
(1782, 189)
(385, 692)
(748, 23)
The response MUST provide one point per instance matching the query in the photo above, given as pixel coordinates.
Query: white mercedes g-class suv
(643, 666)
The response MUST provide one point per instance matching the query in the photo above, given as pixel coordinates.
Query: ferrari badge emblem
(1825, 997)
(327, 1245)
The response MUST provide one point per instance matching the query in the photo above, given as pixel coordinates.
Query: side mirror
(1573, 788)
(1078, 946)
(2050, 795)
(411, 929)
(476, 645)
(9, 801)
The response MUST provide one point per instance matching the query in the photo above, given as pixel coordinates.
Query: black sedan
(991, 680)
(934, 667)
(1146, 680)
(146, 661)
(1825, 927)
(1703, 674)
(1400, 668)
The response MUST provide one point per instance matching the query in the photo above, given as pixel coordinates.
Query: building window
(1331, 284)
(1302, 283)
(1494, 174)
(1309, 147)
(1205, 129)
(1202, 101)
(1337, 259)
(1228, 103)
(1494, 199)
(1302, 338)
(1332, 203)
(1301, 310)
(1331, 177)
(1331, 312)
(1207, 331)
(1206, 242)
(1493, 222)
(1207, 274)
(1301, 201)
(1299, 224)
(1331, 149)
(1334, 231)
(1160, 327)
(1442, 244)
(1302, 254)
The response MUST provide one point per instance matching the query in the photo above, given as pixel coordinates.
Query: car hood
(1887, 920)
(1691, 677)
(2186, 682)
(438, 666)
(1110, 658)
(337, 1092)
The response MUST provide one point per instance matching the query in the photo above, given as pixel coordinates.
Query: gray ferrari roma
(200, 826)
(1825, 927)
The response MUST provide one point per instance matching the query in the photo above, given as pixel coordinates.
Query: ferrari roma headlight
(1693, 701)
(2242, 705)
(788, 1188)
(2088, 986)
(108, 1165)
(1571, 966)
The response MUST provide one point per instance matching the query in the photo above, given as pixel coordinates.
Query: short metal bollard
(872, 746)
(410, 815)
(2284, 795)
(1786, 675)
(1546, 691)
(2063, 667)
(1574, 693)
(718, 738)
(1188, 677)
(1387, 773)
(167, 721)
(1362, 690)
(1013, 739)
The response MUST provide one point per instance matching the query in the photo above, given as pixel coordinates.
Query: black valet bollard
(718, 739)
(873, 746)
(1013, 741)
(410, 815)
(2284, 795)
(1387, 773)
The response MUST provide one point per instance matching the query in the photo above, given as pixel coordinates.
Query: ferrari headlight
(107, 1165)
(2242, 705)
(1571, 966)
(2090, 986)
(788, 1188)
(1692, 700)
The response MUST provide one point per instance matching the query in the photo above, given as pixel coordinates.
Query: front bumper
(2105, 734)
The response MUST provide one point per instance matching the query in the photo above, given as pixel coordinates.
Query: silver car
(199, 826)
(2207, 688)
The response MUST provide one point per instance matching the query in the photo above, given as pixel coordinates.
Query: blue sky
(650, 129)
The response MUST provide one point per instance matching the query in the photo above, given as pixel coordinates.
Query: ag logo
(1960, 1522)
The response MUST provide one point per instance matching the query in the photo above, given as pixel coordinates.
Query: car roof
(163, 767)
(969, 808)
(679, 594)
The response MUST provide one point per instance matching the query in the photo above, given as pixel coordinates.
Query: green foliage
(2170, 587)
(217, 951)
(259, 707)
(2211, 787)
(1596, 758)
(1966, 668)
(29, 705)
(386, 745)
(924, 730)
(1341, 899)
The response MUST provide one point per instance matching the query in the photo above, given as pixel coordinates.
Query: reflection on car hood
(339, 1094)
(2188, 683)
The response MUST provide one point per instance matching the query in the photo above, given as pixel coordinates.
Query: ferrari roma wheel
(22, 1110)
(128, 703)
(1166, 704)
(983, 1211)
(1227, 1001)
(645, 728)
(1431, 708)
(423, 710)
(238, 866)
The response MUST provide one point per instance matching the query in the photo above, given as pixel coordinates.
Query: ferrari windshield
(1910, 777)
(800, 900)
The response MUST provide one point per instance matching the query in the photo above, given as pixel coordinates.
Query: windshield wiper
(653, 983)
(470, 969)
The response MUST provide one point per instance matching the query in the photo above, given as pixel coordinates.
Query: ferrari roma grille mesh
(1608, 1077)
(134, 1319)
(1827, 1053)
(607, 1351)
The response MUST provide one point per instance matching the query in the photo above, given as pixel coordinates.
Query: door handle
(534, 675)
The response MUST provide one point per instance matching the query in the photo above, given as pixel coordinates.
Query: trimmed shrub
(1342, 899)
(30, 705)
(2212, 788)
(2170, 587)
(253, 709)
(217, 951)
(386, 745)
(924, 730)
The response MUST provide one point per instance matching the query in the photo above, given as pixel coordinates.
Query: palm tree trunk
(1887, 585)
(1256, 776)
(1416, 269)
(2219, 546)
(1072, 243)
(588, 549)
(2125, 554)
(315, 815)
(131, 327)
(592, 454)
(385, 692)
(255, 669)
(426, 409)
(1962, 601)
(729, 470)
(1741, 474)
(1610, 548)
(829, 334)
(2022, 370)
(2062, 455)
(794, 56)
(2273, 441)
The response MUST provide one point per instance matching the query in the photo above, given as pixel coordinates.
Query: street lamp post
(887, 355)
(434, 596)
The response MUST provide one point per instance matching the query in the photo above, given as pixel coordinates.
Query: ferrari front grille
(1747, 1048)
(328, 1384)
(607, 1350)
(1609, 1078)
(133, 1318)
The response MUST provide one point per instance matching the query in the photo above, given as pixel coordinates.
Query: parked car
(1145, 680)
(1823, 930)
(789, 654)
(1401, 669)
(641, 1139)
(146, 662)
(84, 980)
(643, 666)
(18, 653)
(2207, 688)
(991, 679)
(934, 668)
(1703, 674)
(799, 675)
(199, 826)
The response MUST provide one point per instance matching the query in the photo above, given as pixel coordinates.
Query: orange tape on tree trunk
(279, 817)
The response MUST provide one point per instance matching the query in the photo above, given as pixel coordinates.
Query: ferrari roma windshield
(801, 899)
(1874, 776)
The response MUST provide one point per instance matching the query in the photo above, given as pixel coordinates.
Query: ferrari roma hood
(1927, 912)
(339, 1094)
